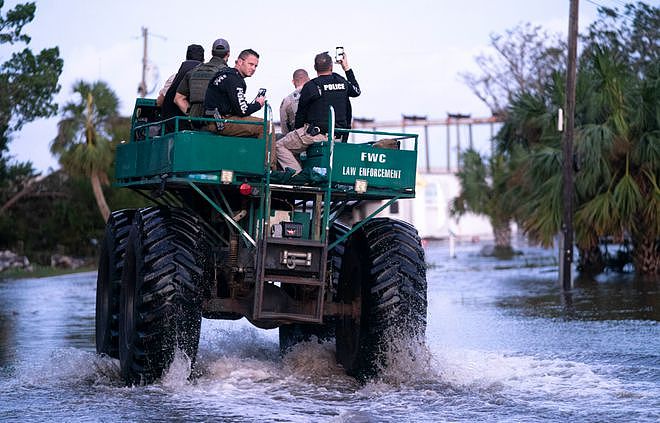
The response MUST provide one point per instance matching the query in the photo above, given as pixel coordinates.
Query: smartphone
(339, 54)
(260, 93)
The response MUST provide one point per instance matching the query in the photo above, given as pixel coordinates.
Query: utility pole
(567, 174)
(142, 88)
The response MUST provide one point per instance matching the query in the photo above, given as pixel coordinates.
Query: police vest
(199, 81)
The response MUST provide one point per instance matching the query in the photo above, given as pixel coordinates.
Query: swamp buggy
(226, 238)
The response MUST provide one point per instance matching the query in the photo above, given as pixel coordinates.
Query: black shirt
(169, 109)
(323, 91)
(226, 92)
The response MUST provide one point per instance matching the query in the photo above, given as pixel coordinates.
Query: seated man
(169, 109)
(191, 91)
(289, 105)
(327, 89)
(225, 97)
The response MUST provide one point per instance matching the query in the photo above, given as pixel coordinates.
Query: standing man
(191, 91)
(289, 105)
(225, 97)
(194, 56)
(317, 95)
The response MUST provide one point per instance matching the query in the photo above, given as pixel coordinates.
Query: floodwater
(503, 344)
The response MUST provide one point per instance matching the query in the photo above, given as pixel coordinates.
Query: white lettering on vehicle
(371, 172)
(372, 157)
(380, 173)
(348, 170)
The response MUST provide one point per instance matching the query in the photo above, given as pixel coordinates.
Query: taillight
(245, 188)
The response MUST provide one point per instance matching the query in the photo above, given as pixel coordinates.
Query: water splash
(67, 366)
(408, 360)
(313, 359)
(176, 376)
(220, 339)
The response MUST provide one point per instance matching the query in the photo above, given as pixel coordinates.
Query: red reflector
(245, 188)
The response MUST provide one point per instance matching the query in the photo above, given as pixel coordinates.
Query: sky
(407, 55)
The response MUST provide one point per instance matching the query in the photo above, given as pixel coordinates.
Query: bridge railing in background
(441, 141)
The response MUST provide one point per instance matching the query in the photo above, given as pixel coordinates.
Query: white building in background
(429, 210)
(439, 147)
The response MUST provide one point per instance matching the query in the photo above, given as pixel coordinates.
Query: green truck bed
(203, 156)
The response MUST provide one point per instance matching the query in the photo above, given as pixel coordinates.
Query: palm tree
(531, 142)
(83, 142)
(621, 151)
(617, 145)
(483, 192)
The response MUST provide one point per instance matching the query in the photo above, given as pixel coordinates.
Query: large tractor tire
(292, 334)
(164, 278)
(384, 273)
(108, 282)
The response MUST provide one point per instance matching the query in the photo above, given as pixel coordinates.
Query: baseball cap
(221, 45)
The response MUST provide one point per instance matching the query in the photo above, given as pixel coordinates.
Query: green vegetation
(57, 213)
(617, 145)
(85, 133)
(484, 191)
(28, 83)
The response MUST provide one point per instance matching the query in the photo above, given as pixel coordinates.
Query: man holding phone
(225, 98)
(327, 89)
(226, 95)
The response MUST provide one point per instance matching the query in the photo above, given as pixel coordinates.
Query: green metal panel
(205, 152)
(380, 167)
(153, 157)
(125, 161)
(189, 152)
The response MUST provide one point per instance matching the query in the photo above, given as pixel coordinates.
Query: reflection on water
(606, 297)
(503, 344)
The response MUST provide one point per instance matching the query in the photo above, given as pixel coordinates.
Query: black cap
(195, 52)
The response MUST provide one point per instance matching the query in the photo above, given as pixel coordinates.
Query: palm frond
(544, 163)
(599, 213)
(593, 146)
(627, 199)
(543, 212)
(646, 152)
(86, 129)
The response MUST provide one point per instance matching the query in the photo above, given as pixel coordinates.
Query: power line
(614, 9)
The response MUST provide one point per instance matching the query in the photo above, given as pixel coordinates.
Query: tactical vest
(199, 81)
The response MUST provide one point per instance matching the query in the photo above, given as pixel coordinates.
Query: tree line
(616, 154)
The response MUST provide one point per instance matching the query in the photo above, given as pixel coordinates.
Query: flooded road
(503, 344)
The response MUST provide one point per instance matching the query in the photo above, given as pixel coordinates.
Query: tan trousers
(292, 144)
(249, 131)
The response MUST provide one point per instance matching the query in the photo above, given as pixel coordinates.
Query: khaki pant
(292, 144)
(250, 131)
